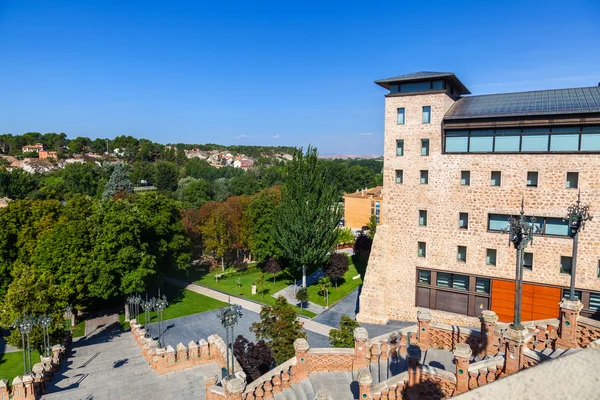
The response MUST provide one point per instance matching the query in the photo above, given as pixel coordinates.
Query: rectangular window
(399, 176)
(590, 138)
(422, 249)
(564, 142)
(490, 257)
(572, 180)
(424, 177)
(424, 277)
(507, 140)
(482, 285)
(532, 140)
(465, 178)
(463, 220)
(566, 264)
(460, 282)
(532, 179)
(461, 254)
(424, 147)
(594, 302)
(481, 141)
(423, 217)
(400, 147)
(496, 178)
(457, 142)
(497, 222)
(443, 280)
(426, 114)
(415, 87)
(566, 293)
(401, 116)
(557, 226)
(528, 261)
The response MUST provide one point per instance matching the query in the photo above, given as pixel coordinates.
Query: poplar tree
(308, 214)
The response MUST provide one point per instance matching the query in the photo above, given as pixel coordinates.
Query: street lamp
(25, 325)
(229, 317)
(159, 306)
(520, 235)
(69, 313)
(44, 322)
(577, 215)
(148, 305)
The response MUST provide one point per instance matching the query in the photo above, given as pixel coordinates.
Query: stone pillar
(462, 357)
(4, 389)
(127, 312)
(414, 372)
(383, 351)
(301, 347)
(567, 333)
(29, 388)
(364, 383)
(203, 345)
(181, 352)
(514, 344)
(361, 349)
(424, 323)
(234, 389)
(209, 382)
(488, 320)
(193, 350)
(276, 380)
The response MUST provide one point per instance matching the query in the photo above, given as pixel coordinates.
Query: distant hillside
(254, 152)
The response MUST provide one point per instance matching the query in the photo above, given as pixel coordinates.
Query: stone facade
(389, 287)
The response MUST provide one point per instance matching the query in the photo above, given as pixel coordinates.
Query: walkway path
(109, 365)
(309, 325)
(289, 292)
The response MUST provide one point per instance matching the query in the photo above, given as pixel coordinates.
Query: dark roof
(424, 75)
(540, 102)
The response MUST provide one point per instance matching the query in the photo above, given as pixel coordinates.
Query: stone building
(455, 168)
(360, 205)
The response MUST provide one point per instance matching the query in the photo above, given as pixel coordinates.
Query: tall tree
(279, 325)
(165, 177)
(336, 267)
(118, 184)
(260, 220)
(255, 359)
(308, 214)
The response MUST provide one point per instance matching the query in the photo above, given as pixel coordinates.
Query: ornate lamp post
(25, 325)
(44, 322)
(137, 299)
(69, 315)
(159, 306)
(577, 215)
(148, 305)
(520, 235)
(229, 317)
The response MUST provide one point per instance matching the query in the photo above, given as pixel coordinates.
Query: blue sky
(269, 73)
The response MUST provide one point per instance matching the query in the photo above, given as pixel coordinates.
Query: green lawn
(345, 286)
(77, 330)
(11, 364)
(229, 284)
(182, 302)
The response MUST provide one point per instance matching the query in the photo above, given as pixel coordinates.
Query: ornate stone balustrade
(588, 330)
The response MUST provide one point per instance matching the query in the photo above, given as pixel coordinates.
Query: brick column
(567, 332)
(488, 320)
(361, 350)
(301, 347)
(424, 323)
(182, 354)
(515, 342)
(462, 357)
(209, 382)
(3, 389)
(364, 383)
(414, 372)
(234, 389)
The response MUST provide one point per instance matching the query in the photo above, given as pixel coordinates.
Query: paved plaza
(109, 365)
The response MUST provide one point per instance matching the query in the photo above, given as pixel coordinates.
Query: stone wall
(389, 288)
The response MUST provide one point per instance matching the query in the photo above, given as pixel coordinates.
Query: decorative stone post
(364, 383)
(268, 388)
(515, 342)
(276, 380)
(567, 334)
(301, 347)
(414, 372)
(193, 350)
(4, 389)
(361, 350)
(424, 322)
(488, 320)
(462, 356)
(285, 380)
(181, 352)
(234, 389)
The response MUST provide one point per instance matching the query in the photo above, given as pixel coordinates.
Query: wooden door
(539, 302)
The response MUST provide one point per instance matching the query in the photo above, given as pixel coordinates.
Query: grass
(346, 285)
(182, 302)
(229, 284)
(11, 364)
(78, 330)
